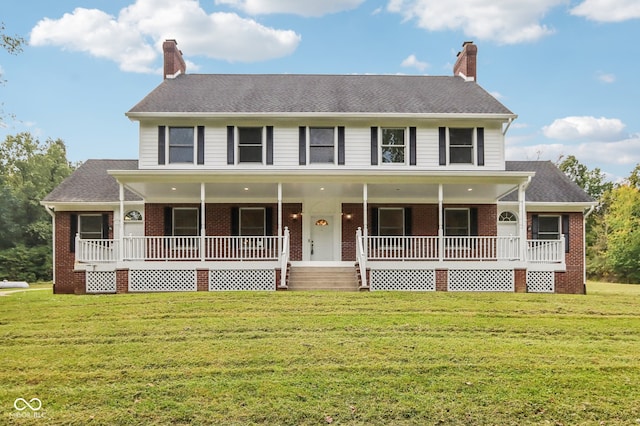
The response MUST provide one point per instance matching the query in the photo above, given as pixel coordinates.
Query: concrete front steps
(322, 278)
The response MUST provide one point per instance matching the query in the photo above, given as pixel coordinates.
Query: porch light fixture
(295, 216)
(348, 216)
(469, 189)
(246, 189)
(173, 188)
(322, 222)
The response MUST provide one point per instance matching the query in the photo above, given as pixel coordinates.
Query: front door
(321, 244)
(508, 228)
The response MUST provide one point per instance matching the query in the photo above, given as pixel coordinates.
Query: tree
(623, 239)
(12, 44)
(29, 170)
(594, 182)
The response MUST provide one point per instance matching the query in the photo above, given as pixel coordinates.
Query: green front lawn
(318, 358)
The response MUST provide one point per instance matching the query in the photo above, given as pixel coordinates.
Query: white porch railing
(96, 250)
(546, 251)
(177, 248)
(284, 258)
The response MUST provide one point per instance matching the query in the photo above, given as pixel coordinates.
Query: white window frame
(380, 227)
(129, 219)
(474, 146)
(193, 145)
(512, 217)
(556, 234)
(335, 145)
(83, 234)
(173, 221)
(264, 220)
(468, 221)
(263, 144)
(405, 145)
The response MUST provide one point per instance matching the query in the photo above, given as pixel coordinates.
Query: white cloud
(135, 37)
(504, 21)
(295, 7)
(592, 128)
(609, 155)
(608, 10)
(412, 62)
(606, 78)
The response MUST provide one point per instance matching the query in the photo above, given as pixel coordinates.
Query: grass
(317, 358)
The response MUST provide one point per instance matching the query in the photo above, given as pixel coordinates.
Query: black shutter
(73, 230)
(412, 146)
(230, 144)
(302, 145)
(105, 226)
(235, 221)
(200, 144)
(161, 144)
(408, 229)
(565, 231)
(473, 221)
(480, 137)
(268, 221)
(442, 145)
(374, 146)
(269, 145)
(535, 227)
(341, 145)
(373, 229)
(168, 221)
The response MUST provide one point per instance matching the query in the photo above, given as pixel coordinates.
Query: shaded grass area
(314, 358)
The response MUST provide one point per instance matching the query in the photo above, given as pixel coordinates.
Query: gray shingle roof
(91, 183)
(549, 185)
(294, 93)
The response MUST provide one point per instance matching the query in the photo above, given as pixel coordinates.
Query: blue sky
(568, 68)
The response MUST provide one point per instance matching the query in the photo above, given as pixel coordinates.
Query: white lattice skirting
(481, 280)
(402, 280)
(541, 282)
(242, 280)
(101, 281)
(162, 280)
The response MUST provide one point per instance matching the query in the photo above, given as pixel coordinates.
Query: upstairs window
(181, 142)
(393, 146)
(461, 145)
(250, 144)
(321, 145)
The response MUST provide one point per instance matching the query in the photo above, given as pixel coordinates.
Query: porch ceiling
(468, 187)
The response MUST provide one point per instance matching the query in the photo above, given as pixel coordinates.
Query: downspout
(584, 244)
(53, 241)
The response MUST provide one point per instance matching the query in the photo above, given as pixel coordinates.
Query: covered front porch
(320, 218)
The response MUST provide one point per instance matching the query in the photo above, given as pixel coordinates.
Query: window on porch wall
(391, 221)
(252, 221)
(88, 227)
(460, 222)
(550, 227)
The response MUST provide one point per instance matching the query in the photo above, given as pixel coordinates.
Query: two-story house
(265, 182)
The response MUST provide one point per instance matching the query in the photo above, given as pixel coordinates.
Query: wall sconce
(348, 216)
(295, 216)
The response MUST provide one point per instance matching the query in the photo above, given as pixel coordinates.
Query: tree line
(613, 228)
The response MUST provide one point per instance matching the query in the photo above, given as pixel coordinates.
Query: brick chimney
(174, 65)
(466, 64)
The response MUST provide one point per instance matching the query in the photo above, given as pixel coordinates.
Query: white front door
(321, 243)
(508, 247)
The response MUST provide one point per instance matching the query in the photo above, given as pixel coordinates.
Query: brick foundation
(202, 277)
(122, 281)
(79, 282)
(442, 276)
(520, 279)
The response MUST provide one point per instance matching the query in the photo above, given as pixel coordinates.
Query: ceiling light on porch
(469, 189)
(322, 189)
(246, 189)
(173, 188)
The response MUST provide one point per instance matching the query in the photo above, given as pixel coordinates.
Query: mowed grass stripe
(296, 358)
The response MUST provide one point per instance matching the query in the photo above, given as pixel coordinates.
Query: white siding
(357, 146)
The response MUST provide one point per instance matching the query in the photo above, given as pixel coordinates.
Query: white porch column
(203, 220)
(523, 221)
(121, 227)
(440, 222)
(365, 209)
(280, 219)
